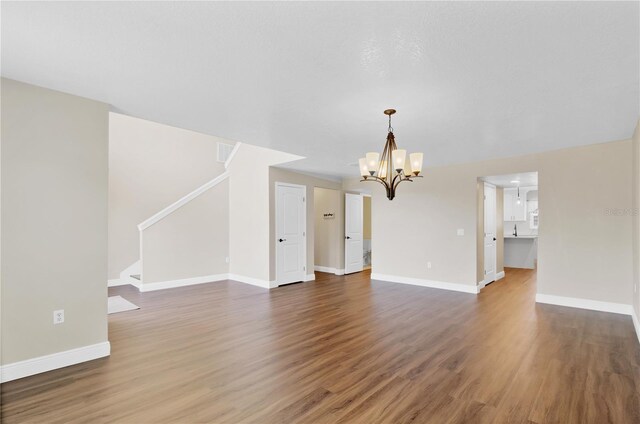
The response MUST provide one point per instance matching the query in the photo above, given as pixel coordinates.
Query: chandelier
(392, 167)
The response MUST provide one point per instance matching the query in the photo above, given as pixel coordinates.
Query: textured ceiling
(470, 81)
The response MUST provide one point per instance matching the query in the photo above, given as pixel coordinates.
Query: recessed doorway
(508, 223)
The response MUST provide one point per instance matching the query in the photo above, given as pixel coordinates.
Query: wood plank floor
(346, 350)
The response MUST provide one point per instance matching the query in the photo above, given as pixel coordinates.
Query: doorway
(291, 246)
(490, 236)
(508, 223)
(366, 230)
(342, 231)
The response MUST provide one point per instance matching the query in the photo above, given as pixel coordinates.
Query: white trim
(232, 154)
(310, 277)
(636, 323)
(133, 269)
(253, 281)
(146, 287)
(304, 217)
(465, 288)
(482, 284)
(595, 305)
(116, 282)
(54, 361)
(330, 270)
(181, 202)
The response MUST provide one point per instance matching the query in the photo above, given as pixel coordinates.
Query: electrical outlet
(460, 231)
(429, 265)
(58, 316)
(226, 259)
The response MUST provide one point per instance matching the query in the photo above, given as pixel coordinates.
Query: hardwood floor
(346, 350)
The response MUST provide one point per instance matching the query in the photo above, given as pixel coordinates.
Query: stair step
(137, 276)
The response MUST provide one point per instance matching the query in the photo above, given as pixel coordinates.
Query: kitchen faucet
(515, 230)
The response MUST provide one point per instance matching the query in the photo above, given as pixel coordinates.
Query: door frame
(279, 184)
(371, 222)
(484, 232)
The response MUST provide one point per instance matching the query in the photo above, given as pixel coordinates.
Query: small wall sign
(328, 215)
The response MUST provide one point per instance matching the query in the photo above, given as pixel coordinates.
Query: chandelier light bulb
(416, 163)
(372, 161)
(399, 157)
(364, 169)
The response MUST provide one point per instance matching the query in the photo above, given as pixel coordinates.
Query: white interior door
(489, 233)
(353, 226)
(290, 233)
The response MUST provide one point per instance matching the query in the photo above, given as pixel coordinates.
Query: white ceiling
(470, 81)
(524, 179)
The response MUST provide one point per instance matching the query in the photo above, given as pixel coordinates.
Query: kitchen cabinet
(514, 210)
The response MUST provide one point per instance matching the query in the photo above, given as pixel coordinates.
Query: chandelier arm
(378, 180)
(393, 181)
(401, 180)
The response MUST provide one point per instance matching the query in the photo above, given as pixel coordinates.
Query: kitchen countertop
(523, 236)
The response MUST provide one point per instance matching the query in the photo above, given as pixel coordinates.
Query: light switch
(460, 231)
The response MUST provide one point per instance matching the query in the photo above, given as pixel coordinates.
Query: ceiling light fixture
(381, 167)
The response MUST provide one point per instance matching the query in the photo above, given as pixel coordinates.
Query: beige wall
(249, 210)
(281, 175)
(54, 221)
(635, 213)
(328, 233)
(150, 166)
(583, 251)
(191, 242)
(366, 218)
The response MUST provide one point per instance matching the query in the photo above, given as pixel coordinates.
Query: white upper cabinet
(515, 209)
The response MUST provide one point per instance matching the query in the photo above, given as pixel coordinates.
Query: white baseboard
(482, 284)
(146, 287)
(636, 324)
(54, 361)
(336, 271)
(594, 305)
(426, 283)
(116, 282)
(310, 277)
(161, 285)
(253, 281)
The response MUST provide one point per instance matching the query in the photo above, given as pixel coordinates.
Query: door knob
(347, 237)
(494, 239)
(281, 240)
